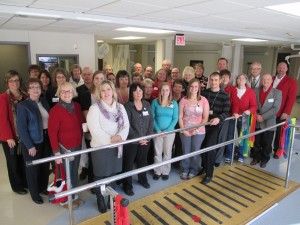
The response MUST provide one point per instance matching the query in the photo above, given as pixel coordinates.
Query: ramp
(236, 195)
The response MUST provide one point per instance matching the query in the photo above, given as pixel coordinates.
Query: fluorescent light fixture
(145, 30)
(100, 41)
(38, 14)
(92, 19)
(249, 39)
(128, 38)
(290, 8)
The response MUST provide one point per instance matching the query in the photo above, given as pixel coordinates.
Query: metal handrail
(146, 168)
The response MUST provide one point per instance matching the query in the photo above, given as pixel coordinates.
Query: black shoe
(263, 164)
(202, 171)
(165, 177)
(38, 200)
(129, 192)
(84, 173)
(145, 184)
(206, 180)
(21, 192)
(275, 156)
(217, 164)
(44, 192)
(156, 177)
(101, 204)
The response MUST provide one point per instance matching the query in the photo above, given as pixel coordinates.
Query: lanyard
(212, 105)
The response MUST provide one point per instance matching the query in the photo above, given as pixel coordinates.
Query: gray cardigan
(269, 109)
(141, 122)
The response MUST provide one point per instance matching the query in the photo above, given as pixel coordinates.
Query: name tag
(145, 113)
(155, 88)
(211, 112)
(271, 100)
(55, 99)
(198, 109)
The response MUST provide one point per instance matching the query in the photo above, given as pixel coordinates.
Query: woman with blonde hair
(108, 123)
(165, 114)
(160, 78)
(188, 74)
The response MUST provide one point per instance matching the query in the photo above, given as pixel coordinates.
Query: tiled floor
(16, 209)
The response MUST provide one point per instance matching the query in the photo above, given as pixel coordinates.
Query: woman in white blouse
(108, 123)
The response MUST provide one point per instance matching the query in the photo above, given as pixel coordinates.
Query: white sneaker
(241, 160)
(184, 176)
(191, 176)
(227, 160)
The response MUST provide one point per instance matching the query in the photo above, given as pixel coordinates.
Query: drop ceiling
(202, 21)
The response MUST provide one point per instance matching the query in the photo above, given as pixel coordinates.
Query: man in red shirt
(289, 88)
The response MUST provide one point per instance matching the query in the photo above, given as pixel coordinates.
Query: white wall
(55, 43)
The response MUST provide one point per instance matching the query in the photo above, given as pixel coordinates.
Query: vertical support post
(234, 137)
(287, 177)
(69, 186)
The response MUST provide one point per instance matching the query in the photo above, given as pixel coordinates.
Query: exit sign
(179, 40)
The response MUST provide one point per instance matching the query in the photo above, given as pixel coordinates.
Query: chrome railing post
(287, 177)
(233, 144)
(69, 187)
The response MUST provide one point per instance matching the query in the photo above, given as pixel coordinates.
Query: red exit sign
(179, 40)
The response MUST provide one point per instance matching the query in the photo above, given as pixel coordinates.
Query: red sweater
(7, 127)
(234, 103)
(289, 88)
(64, 127)
(247, 102)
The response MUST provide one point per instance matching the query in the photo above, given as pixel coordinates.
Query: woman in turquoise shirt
(165, 114)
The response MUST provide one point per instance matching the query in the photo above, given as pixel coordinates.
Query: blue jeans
(191, 144)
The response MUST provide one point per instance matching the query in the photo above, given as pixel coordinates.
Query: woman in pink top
(193, 110)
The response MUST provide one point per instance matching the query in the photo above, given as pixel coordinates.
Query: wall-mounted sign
(179, 40)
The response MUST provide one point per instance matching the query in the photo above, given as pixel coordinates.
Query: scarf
(68, 106)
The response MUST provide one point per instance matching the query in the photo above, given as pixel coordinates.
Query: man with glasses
(254, 79)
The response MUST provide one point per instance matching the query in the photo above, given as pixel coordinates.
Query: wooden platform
(236, 195)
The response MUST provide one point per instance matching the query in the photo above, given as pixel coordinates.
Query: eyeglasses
(14, 81)
(35, 88)
(66, 92)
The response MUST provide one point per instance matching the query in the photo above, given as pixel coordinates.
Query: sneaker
(184, 176)
(191, 176)
(241, 160)
(227, 160)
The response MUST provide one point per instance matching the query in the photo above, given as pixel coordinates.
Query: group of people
(50, 110)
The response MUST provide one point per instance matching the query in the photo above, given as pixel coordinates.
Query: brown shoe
(254, 162)
(263, 164)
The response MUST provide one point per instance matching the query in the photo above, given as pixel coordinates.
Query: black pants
(15, 168)
(90, 168)
(263, 146)
(208, 158)
(277, 135)
(131, 153)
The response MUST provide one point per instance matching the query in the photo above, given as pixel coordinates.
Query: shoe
(101, 204)
(84, 173)
(241, 160)
(44, 192)
(38, 200)
(129, 192)
(165, 177)
(145, 184)
(206, 180)
(21, 192)
(227, 160)
(254, 162)
(202, 171)
(263, 164)
(217, 164)
(74, 197)
(176, 166)
(156, 177)
(78, 202)
(191, 176)
(275, 156)
(184, 176)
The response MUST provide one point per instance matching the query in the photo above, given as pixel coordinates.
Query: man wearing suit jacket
(254, 79)
(288, 87)
(268, 103)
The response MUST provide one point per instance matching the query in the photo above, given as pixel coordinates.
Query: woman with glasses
(65, 127)
(9, 137)
(32, 124)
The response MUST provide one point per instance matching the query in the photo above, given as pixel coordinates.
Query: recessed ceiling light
(145, 30)
(92, 19)
(100, 41)
(128, 38)
(249, 39)
(290, 8)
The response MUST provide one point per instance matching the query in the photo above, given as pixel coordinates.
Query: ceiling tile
(16, 2)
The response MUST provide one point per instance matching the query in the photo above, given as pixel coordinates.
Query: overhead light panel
(93, 19)
(128, 38)
(290, 8)
(249, 39)
(100, 41)
(145, 30)
(38, 14)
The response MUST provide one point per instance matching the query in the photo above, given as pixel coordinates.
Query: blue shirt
(165, 118)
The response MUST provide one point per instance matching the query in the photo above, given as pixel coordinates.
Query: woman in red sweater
(246, 102)
(65, 127)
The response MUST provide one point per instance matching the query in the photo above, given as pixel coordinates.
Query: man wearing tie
(255, 69)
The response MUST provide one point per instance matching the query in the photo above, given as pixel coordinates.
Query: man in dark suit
(268, 103)
(288, 87)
